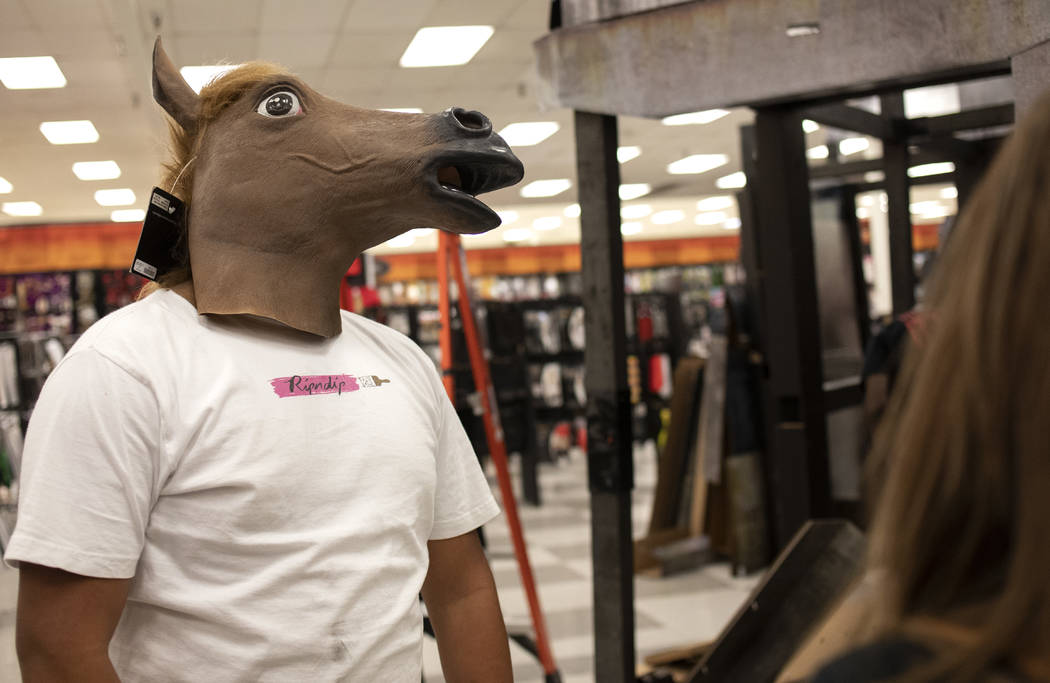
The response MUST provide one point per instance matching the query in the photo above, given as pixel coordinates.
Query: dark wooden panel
(819, 564)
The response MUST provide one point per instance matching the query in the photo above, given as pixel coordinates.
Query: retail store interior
(677, 318)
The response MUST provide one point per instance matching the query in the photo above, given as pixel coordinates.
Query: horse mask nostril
(470, 120)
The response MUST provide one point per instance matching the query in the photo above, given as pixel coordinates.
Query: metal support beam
(970, 168)
(895, 168)
(610, 469)
(798, 460)
(861, 304)
(844, 169)
(850, 118)
(691, 63)
(985, 117)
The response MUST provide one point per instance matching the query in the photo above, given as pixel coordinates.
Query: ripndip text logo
(314, 385)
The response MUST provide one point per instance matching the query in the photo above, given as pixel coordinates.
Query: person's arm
(461, 600)
(64, 625)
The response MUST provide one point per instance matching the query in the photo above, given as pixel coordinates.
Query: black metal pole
(798, 453)
(895, 168)
(610, 469)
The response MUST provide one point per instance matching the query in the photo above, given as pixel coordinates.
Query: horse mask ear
(171, 91)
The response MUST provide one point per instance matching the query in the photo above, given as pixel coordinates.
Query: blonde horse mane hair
(184, 146)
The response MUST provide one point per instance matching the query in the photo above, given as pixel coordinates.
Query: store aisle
(680, 610)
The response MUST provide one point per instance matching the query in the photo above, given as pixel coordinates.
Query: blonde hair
(184, 145)
(962, 528)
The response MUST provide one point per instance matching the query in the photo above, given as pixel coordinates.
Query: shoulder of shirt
(130, 332)
(388, 335)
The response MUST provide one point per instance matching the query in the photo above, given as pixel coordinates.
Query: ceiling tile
(295, 15)
(369, 15)
(22, 42)
(529, 16)
(214, 47)
(458, 13)
(209, 15)
(295, 50)
(16, 18)
(508, 46)
(370, 48)
(72, 44)
(340, 83)
(421, 80)
(79, 14)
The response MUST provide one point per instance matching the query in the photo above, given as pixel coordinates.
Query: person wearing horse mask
(233, 480)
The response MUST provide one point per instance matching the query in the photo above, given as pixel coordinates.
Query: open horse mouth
(460, 177)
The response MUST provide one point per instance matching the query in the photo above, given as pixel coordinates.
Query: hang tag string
(179, 176)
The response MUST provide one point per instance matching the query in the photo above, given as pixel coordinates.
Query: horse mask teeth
(287, 187)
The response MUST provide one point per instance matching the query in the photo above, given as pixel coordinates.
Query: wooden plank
(672, 465)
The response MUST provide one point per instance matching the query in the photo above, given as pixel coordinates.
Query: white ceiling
(347, 49)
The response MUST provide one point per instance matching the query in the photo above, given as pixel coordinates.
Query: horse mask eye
(280, 104)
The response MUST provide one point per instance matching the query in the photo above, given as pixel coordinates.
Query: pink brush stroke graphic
(315, 385)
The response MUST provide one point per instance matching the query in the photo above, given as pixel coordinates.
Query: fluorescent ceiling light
(810, 126)
(25, 73)
(630, 228)
(127, 215)
(528, 133)
(5, 187)
(516, 234)
(667, 217)
(200, 76)
(818, 152)
(22, 209)
(696, 117)
(547, 223)
(932, 100)
(715, 203)
(119, 197)
(96, 170)
(874, 177)
(863, 212)
(807, 29)
(867, 200)
(732, 223)
(420, 232)
(625, 154)
(445, 45)
(401, 241)
(507, 217)
(546, 188)
(939, 212)
(631, 191)
(711, 218)
(405, 110)
(697, 163)
(848, 146)
(924, 207)
(946, 193)
(931, 169)
(732, 181)
(69, 132)
(571, 211)
(636, 211)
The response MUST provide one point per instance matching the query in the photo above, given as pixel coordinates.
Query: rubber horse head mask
(286, 187)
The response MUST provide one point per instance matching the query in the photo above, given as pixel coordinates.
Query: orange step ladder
(451, 256)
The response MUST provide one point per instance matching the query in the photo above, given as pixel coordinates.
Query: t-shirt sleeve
(90, 470)
(462, 501)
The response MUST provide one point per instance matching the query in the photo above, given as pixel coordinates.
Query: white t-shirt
(271, 493)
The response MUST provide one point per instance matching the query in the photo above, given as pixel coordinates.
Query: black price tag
(155, 254)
